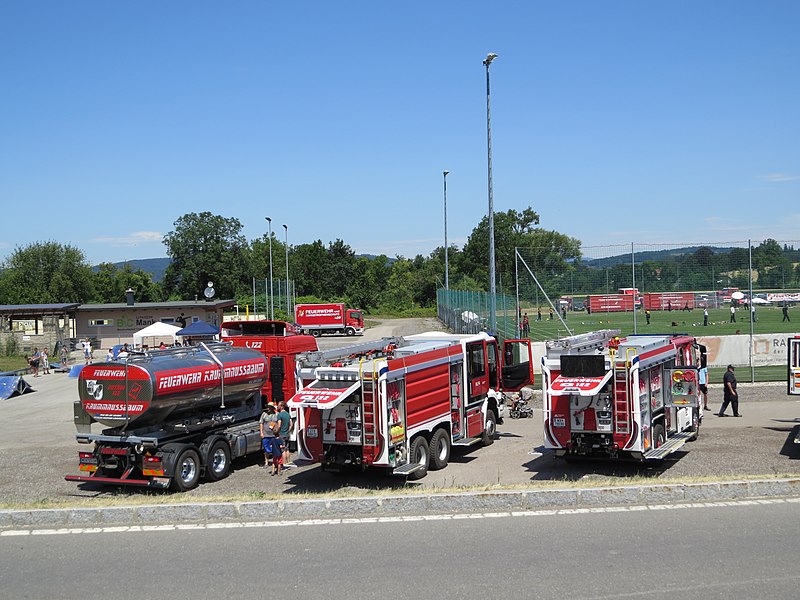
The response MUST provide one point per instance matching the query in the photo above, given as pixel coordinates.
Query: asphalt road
(37, 448)
(713, 551)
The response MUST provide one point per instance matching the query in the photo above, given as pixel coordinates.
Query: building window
(100, 322)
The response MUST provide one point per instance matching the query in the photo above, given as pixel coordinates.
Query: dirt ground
(37, 448)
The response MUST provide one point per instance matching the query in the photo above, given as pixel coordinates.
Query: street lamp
(492, 286)
(286, 243)
(446, 265)
(271, 306)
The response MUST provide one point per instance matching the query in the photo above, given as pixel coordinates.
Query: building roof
(32, 310)
(37, 309)
(172, 305)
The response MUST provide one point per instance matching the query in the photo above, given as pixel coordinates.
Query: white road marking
(401, 519)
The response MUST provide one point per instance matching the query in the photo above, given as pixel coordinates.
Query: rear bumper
(113, 480)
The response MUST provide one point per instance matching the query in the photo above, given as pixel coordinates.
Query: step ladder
(466, 442)
(622, 411)
(671, 445)
(407, 469)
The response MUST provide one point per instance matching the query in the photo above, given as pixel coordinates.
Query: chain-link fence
(739, 296)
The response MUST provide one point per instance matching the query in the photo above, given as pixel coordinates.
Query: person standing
(64, 355)
(551, 314)
(45, 362)
(34, 361)
(702, 384)
(705, 317)
(526, 326)
(268, 425)
(753, 313)
(647, 315)
(731, 395)
(538, 313)
(733, 314)
(786, 313)
(286, 425)
(87, 351)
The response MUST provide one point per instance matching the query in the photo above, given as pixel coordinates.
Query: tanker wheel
(419, 455)
(440, 450)
(350, 332)
(490, 429)
(218, 461)
(316, 332)
(187, 470)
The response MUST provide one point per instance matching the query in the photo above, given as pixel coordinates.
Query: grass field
(768, 320)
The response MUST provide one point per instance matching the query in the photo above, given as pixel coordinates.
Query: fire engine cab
(403, 403)
(635, 397)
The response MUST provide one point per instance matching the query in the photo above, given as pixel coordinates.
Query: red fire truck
(635, 397)
(317, 319)
(280, 342)
(403, 403)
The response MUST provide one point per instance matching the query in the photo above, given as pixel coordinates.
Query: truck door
(477, 385)
(517, 370)
(793, 354)
(457, 400)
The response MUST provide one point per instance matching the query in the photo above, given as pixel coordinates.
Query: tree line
(207, 247)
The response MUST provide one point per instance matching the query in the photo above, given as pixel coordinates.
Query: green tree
(205, 247)
(111, 283)
(46, 272)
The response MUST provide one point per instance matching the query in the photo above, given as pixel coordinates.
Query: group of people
(39, 359)
(276, 425)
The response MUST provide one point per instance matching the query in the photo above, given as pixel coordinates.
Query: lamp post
(286, 243)
(492, 286)
(271, 306)
(446, 264)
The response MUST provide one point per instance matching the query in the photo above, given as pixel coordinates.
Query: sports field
(769, 319)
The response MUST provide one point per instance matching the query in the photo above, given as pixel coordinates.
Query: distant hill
(155, 266)
(654, 255)
(158, 266)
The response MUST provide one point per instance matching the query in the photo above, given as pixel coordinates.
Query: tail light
(87, 461)
(151, 465)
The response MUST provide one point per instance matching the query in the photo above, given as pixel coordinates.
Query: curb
(226, 512)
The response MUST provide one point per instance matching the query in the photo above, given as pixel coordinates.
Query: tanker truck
(171, 417)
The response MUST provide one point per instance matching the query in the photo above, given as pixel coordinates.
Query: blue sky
(620, 121)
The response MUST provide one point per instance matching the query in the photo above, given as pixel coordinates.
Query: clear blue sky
(618, 122)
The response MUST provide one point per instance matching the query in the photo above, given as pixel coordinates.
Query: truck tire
(419, 454)
(316, 332)
(695, 424)
(490, 429)
(187, 470)
(440, 450)
(658, 436)
(218, 461)
(350, 332)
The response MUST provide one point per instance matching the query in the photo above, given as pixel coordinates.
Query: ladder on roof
(582, 342)
(622, 393)
(369, 408)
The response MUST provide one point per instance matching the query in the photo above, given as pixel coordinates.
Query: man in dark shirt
(731, 395)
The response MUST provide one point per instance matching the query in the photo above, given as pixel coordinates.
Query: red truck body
(335, 318)
(280, 342)
(402, 406)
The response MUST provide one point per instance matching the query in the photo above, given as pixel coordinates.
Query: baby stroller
(520, 407)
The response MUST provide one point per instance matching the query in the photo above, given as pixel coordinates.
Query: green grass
(12, 363)
(769, 320)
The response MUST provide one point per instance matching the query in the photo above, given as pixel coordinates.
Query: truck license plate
(559, 422)
(312, 432)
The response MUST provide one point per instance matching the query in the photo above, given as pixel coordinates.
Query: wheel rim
(421, 457)
(219, 461)
(490, 427)
(188, 470)
(441, 449)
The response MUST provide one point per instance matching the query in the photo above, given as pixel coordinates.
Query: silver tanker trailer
(171, 416)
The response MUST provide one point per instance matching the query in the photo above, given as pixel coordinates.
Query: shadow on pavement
(548, 467)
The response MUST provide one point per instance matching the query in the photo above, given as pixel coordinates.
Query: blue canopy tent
(199, 329)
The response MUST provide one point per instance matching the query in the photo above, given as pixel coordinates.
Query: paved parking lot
(37, 448)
